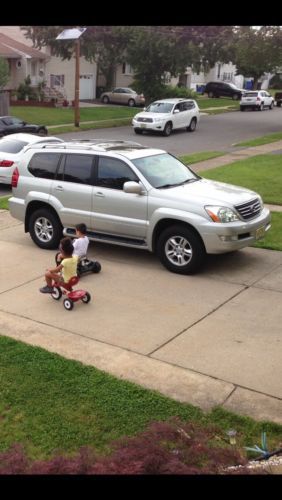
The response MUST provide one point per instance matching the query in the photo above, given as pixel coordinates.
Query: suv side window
(44, 165)
(76, 168)
(113, 173)
(188, 105)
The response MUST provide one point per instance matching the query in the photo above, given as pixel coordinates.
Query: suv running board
(109, 238)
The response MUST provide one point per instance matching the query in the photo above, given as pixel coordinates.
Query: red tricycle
(72, 296)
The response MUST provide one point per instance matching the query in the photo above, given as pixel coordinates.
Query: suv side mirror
(176, 111)
(132, 187)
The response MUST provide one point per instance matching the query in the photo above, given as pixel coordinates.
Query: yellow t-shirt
(69, 268)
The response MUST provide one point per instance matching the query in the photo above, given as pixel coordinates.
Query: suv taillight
(15, 178)
(6, 163)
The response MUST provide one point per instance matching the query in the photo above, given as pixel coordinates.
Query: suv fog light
(229, 238)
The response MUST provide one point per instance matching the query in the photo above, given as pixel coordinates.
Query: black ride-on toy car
(84, 265)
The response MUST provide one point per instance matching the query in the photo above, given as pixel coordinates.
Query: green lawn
(4, 202)
(49, 404)
(265, 139)
(261, 173)
(196, 157)
(206, 102)
(273, 238)
(60, 116)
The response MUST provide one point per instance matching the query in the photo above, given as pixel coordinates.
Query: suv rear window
(76, 168)
(44, 165)
(250, 94)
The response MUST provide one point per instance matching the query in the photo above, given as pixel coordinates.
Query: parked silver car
(123, 95)
(134, 196)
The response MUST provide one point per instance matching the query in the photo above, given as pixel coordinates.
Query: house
(41, 65)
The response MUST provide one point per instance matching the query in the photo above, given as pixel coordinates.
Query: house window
(127, 69)
(218, 70)
(57, 80)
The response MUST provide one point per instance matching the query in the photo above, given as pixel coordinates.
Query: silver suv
(133, 196)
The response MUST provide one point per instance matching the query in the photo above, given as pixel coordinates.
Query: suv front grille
(145, 120)
(250, 209)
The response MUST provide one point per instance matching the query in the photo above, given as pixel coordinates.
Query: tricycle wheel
(68, 304)
(86, 298)
(57, 293)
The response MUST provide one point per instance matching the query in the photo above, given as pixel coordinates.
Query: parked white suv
(167, 115)
(133, 196)
(256, 99)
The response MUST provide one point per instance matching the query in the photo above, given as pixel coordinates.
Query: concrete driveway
(210, 339)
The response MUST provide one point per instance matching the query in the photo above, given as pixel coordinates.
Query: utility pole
(76, 91)
(74, 34)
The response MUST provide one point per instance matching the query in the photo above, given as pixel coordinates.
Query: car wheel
(235, 97)
(167, 130)
(210, 94)
(96, 268)
(131, 103)
(180, 250)
(278, 104)
(242, 108)
(45, 228)
(105, 99)
(261, 107)
(192, 126)
(271, 105)
(138, 131)
(43, 132)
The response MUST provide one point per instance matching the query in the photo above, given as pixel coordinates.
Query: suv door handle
(59, 188)
(101, 195)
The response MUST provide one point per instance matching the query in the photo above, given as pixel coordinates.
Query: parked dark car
(278, 99)
(223, 89)
(11, 125)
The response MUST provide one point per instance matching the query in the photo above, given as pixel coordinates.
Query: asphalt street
(215, 132)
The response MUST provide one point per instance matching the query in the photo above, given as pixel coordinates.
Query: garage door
(86, 87)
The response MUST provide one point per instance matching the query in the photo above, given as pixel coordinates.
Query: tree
(4, 73)
(103, 44)
(257, 51)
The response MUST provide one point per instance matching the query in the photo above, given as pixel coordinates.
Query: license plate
(260, 232)
(143, 125)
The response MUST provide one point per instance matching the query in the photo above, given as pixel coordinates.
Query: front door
(114, 211)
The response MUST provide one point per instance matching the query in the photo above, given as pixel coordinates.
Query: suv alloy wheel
(180, 250)
(45, 228)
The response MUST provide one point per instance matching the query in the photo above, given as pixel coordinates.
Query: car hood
(206, 192)
(147, 114)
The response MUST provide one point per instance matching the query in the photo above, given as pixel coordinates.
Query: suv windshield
(164, 170)
(160, 107)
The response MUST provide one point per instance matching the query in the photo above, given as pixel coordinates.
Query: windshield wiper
(164, 186)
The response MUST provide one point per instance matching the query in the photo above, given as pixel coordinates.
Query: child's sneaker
(46, 289)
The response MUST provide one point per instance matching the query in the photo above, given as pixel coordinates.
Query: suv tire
(167, 130)
(192, 126)
(45, 228)
(180, 250)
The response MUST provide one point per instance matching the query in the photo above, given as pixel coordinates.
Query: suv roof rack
(90, 144)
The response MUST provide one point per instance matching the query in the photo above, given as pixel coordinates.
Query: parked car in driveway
(223, 89)
(256, 99)
(11, 148)
(11, 125)
(134, 196)
(167, 115)
(123, 95)
(278, 99)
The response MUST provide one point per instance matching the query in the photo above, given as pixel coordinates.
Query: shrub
(171, 447)
(170, 91)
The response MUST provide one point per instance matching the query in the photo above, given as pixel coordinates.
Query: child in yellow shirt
(65, 270)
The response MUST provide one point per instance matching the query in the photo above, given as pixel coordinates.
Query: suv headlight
(221, 214)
